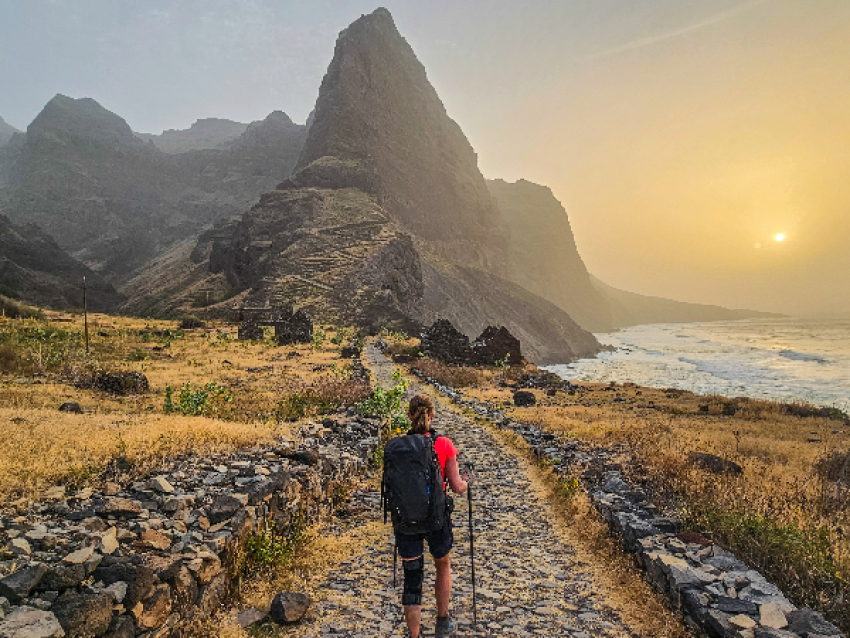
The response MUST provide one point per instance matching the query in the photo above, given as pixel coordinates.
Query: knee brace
(414, 574)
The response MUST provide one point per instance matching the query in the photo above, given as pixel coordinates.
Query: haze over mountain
(387, 222)
(210, 132)
(6, 131)
(115, 201)
(35, 269)
(543, 258)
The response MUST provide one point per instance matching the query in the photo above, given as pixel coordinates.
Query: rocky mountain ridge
(115, 201)
(387, 221)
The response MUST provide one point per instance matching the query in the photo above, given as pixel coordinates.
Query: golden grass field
(42, 446)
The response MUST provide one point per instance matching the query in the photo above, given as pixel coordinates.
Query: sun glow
(780, 237)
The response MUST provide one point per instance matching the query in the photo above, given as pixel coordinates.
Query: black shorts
(439, 543)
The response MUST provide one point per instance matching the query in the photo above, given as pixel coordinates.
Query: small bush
(321, 397)
(207, 400)
(275, 548)
(191, 322)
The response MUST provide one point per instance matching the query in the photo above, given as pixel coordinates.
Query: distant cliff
(542, 254)
(543, 258)
(115, 201)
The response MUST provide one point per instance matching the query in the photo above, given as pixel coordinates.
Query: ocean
(788, 359)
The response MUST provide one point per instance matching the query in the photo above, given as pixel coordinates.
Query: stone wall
(155, 557)
(717, 595)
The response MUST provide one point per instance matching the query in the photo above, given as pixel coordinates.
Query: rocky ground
(530, 581)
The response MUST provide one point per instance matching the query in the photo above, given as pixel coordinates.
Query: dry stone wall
(155, 557)
(717, 595)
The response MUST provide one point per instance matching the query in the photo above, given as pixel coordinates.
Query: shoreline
(789, 360)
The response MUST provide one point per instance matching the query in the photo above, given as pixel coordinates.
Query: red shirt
(445, 450)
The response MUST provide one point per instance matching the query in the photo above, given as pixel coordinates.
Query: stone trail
(530, 582)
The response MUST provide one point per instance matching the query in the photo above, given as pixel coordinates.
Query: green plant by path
(388, 405)
(206, 400)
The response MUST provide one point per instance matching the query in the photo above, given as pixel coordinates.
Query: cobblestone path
(530, 582)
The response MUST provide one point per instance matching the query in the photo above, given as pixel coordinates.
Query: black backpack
(412, 488)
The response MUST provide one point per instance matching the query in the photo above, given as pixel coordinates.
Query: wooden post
(86, 313)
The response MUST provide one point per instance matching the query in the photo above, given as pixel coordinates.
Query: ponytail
(420, 411)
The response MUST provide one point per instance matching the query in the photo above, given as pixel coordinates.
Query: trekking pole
(471, 472)
(395, 565)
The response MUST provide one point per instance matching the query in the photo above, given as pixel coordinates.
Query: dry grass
(786, 514)
(575, 521)
(43, 364)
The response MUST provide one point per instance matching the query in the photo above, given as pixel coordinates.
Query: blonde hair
(420, 411)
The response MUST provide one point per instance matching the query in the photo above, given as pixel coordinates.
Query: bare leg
(413, 618)
(443, 586)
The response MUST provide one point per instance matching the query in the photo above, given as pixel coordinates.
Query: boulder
(122, 383)
(26, 622)
(83, 615)
(139, 579)
(805, 622)
(71, 406)
(249, 617)
(121, 627)
(120, 507)
(156, 609)
(61, 577)
(524, 399)
(223, 508)
(715, 464)
(287, 607)
(19, 584)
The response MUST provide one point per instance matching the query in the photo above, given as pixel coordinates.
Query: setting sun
(780, 237)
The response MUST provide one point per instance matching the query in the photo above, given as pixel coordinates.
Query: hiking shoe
(445, 627)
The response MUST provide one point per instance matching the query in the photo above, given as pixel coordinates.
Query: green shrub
(388, 405)
(206, 400)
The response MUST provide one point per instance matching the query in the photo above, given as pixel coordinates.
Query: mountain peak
(82, 117)
(377, 111)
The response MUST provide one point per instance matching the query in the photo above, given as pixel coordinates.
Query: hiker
(434, 523)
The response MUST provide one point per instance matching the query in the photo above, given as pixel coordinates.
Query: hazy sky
(679, 134)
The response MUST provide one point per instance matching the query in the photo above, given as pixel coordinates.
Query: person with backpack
(417, 468)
